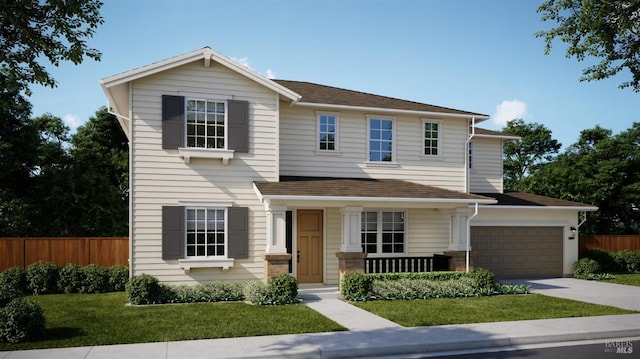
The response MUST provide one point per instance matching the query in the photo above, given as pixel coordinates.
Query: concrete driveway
(614, 295)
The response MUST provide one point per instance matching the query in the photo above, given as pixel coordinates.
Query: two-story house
(235, 177)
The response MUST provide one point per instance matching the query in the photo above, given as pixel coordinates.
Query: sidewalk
(371, 336)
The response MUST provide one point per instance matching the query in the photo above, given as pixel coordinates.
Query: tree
(524, 156)
(55, 30)
(607, 30)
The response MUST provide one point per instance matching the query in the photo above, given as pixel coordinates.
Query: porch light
(573, 232)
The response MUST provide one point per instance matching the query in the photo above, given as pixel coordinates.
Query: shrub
(219, 291)
(425, 289)
(483, 278)
(586, 267)
(144, 289)
(96, 279)
(605, 259)
(21, 320)
(356, 286)
(70, 278)
(14, 277)
(628, 261)
(42, 277)
(283, 289)
(8, 293)
(437, 276)
(256, 292)
(118, 278)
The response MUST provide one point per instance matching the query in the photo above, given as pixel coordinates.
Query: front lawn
(101, 319)
(626, 279)
(443, 311)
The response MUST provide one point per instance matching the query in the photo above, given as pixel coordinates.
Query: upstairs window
(381, 140)
(432, 142)
(327, 131)
(206, 123)
(471, 164)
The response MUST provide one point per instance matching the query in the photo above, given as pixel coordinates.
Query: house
(237, 177)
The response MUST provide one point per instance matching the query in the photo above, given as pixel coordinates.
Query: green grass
(442, 311)
(626, 279)
(100, 319)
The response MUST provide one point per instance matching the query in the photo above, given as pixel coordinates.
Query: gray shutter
(238, 236)
(238, 122)
(173, 232)
(172, 121)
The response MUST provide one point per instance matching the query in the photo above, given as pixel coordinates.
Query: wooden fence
(611, 243)
(103, 251)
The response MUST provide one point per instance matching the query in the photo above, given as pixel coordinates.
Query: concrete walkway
(375, 337)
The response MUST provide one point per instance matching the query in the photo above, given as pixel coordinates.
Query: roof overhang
(543, 208)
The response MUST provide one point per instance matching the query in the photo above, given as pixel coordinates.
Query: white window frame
(226, 123)
(226, 233)
(186, 153)
(424, 139)
(394, 132)
(379, 232)
(336, 141)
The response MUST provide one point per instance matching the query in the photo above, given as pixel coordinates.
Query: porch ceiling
(361, 189)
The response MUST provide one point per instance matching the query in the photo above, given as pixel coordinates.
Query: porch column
(351, 258)
(458, 240)
(276, 258)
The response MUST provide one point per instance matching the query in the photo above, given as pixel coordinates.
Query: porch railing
(407, 264)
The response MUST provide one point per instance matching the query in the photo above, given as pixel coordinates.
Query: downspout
(469, 235)
(466, 154)
(131, 179)
(584, 220)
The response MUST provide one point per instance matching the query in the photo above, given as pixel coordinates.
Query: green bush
(8, 293)
(256, 292)
(437, 276)
(628, 261)
(14, 277)
(21, 320)
(118, 278)
(356, 286)
(144, 289)
(96, 279)
(605, 259)
(283, 289)
(70, 278)
(219, 292)
(483, 278)
(42, 277)
(586, 267)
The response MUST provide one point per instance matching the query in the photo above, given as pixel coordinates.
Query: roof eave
(550, 208)
(374, 199)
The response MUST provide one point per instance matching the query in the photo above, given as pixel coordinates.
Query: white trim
(387, 110)
(520, 224)
(186, 153)
(471, 155)
(503, 137)
(336, 139)
(207, 204)
(439, 138)
(394, 141)
(379, 232)
(370, 199)
(192, 262)
(226, 126)
(551, 208)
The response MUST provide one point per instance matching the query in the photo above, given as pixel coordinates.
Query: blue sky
(479, 56)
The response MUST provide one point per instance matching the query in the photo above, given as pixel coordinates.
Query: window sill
(189, 263)
(381, 164)
(327, 153)
(431, 157)
(188, 153)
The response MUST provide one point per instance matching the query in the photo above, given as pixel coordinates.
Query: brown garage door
(519, 252)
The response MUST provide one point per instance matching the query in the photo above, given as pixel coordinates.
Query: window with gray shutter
(238, 234)
(172, 121)
(173, 232)
(238, 121)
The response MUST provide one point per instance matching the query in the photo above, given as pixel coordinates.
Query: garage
(519, 252)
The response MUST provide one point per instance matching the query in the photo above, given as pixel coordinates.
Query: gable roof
(361, 189)
(530, 200)
(316, 94)
(483, 132)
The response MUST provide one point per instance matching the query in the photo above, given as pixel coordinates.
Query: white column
(458, 230)
(351, 229)
(276, 230)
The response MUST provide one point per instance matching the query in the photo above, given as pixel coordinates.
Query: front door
(309, 234)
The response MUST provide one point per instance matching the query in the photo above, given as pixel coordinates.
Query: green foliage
(21, 320)
(585, 268)
(606, 30)
(71, 279)
(220, 292)
(143, 289)
(96, 279)
(42, 277)
(606, 260)
(283, 289)
(256, 292)
(8, 293)
(14, 277)
(356, 286)
(483, 278)
(628, 261)
(118, 278)
(438, 276)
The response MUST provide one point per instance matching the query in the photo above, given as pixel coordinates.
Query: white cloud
(270, 74)
(244, 61)
(71, 120)
(509, 110)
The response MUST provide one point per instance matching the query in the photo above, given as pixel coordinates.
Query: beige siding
(486, 175)
(333, 237)
(299, 158)
(160, 177)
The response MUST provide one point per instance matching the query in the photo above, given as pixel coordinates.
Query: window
(471, 164)
(431, 138)
(206, 232)
(381, 146)
(327, 132)
(206, 122)
(383, 232)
